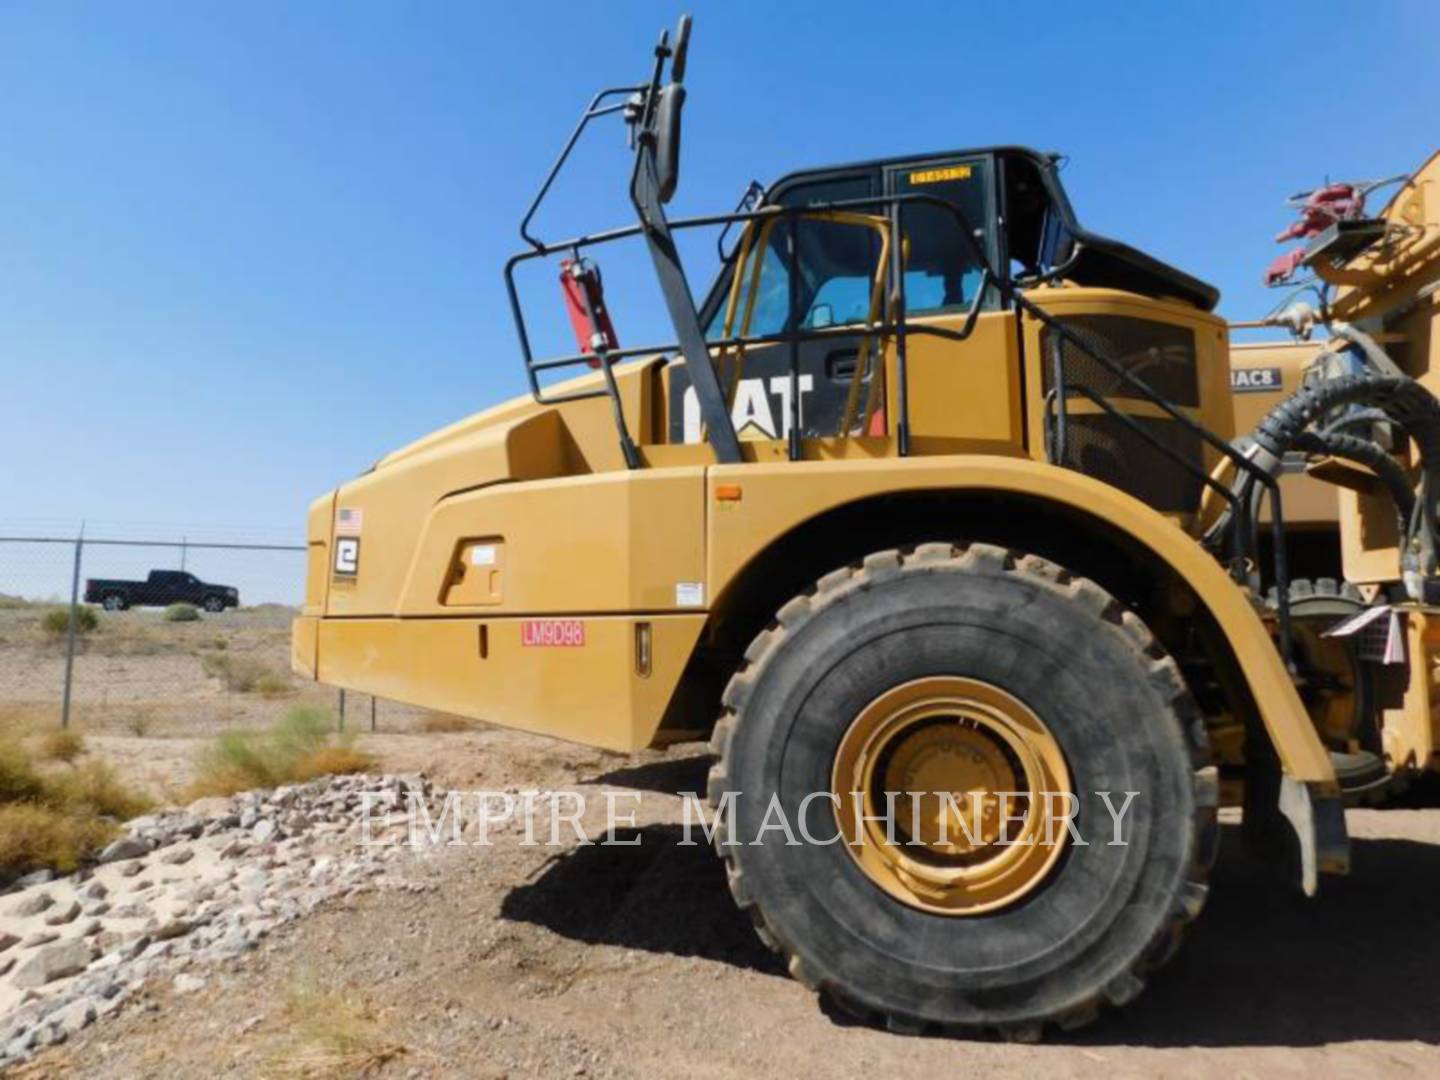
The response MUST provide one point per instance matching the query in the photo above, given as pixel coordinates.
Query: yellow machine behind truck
(933, 519)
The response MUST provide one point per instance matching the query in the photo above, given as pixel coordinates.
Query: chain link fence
(157, 637)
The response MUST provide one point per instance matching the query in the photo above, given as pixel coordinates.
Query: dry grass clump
(138, 721)
(273, 684)
(300, 747)
(439, 723)
(93, 788)
(56, 819)
(19, 782)
(181, 613)
(332, 761)
(62, 744)
(56, 622)
(332, 1035)
(33, 836)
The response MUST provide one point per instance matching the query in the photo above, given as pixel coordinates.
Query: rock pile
(182, 889)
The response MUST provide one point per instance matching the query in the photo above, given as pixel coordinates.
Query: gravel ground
(614, 961)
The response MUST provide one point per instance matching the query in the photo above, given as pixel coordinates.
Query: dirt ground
(628, 961)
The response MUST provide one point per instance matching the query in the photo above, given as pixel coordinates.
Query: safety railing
(897, 326)
(1243, 531)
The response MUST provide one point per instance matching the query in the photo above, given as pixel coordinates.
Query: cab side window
(834, 263)
(1035, 231)
(942, 273)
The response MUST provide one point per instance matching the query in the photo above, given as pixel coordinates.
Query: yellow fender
(775, 498)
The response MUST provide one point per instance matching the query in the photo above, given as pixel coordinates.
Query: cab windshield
(836, 257)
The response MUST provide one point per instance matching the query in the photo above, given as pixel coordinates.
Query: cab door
(963, 395)
(816, 277)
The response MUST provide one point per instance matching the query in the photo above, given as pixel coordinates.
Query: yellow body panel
(970, 388)
(593, 693)
(619, 541)
(1411, 727)
(1307, 502)
(304, 645)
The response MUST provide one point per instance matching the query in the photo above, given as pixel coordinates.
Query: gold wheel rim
(1004, 824)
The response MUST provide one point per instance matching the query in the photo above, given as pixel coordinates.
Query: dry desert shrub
(332, 1035)
(62, 744)
(56, 622)
(34, 836)
(95, 788)
(55, 820)
(301, 747)
(182, 613)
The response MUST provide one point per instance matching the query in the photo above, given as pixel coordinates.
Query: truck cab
(994, 390)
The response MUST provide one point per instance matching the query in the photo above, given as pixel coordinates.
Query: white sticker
(482, 555)
(347, 556)
(1357, 622)
(349, 519)
(689, 594)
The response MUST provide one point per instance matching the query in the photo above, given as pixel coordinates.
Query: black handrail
(542, 250)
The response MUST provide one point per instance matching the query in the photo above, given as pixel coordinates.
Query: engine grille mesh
(1106, 448)
(1162, 356)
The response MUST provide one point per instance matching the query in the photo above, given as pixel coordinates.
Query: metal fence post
(70, 629)
(342, 708)
(372, 713)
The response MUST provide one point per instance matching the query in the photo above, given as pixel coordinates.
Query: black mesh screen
(1160, 355)
(1104, 447)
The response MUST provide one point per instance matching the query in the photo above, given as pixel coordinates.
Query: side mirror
(821, 316)
(682, 46)
(667, 139)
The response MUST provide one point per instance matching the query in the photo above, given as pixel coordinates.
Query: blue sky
(247, 248)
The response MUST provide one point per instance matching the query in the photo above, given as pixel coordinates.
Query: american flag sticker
(348, 519)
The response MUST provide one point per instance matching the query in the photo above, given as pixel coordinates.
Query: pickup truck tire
(213, 604)
(114, 601)
(1091, 933)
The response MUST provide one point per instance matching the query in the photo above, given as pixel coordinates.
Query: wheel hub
(951, 795)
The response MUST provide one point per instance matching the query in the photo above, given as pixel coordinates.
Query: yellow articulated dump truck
(932, 518)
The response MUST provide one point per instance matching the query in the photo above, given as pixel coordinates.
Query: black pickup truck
(161, 589)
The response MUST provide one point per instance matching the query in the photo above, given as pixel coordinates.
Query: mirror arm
(680, 304)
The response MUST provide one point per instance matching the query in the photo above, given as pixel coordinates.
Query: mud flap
(1318, 821)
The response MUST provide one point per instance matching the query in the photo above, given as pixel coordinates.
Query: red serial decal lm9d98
(553, 633)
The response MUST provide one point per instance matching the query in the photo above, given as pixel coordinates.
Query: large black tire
(1103, 918)
(214, 604)
(114, 602)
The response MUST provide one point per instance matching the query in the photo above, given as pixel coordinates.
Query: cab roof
(1098, 260)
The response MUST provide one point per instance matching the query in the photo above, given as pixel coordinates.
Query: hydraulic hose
(1406, 403)
(1396, 398)
(1401, 398)
(1367, 453)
